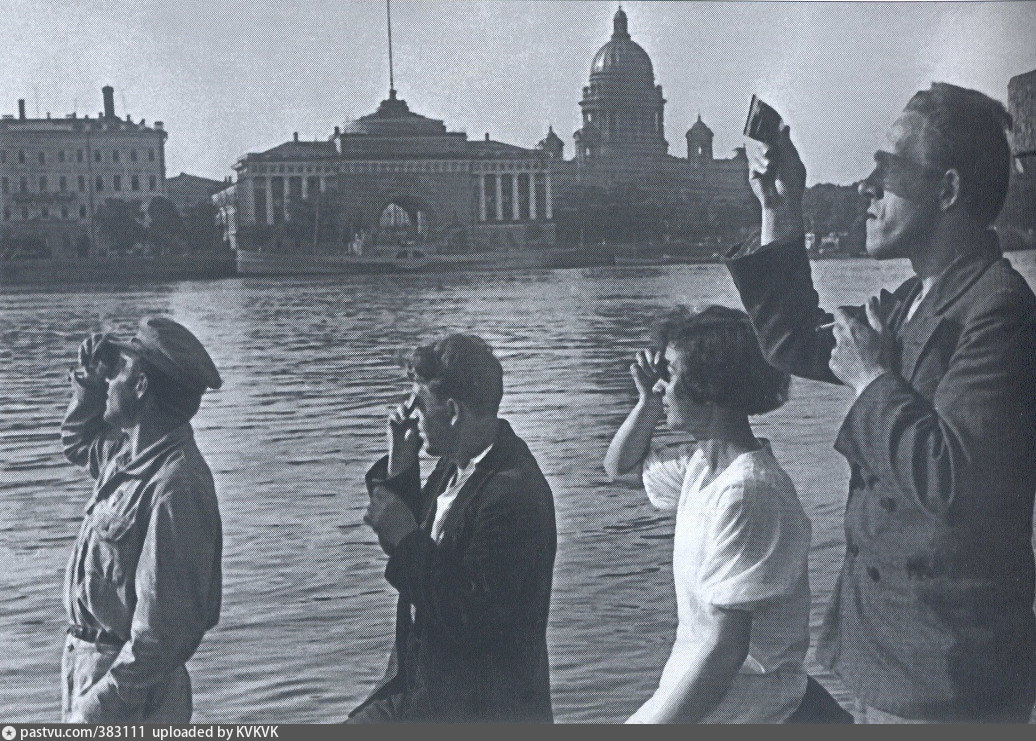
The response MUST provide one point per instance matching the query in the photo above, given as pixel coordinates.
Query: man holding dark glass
(471, 553)
(932, 616)
(144, 581)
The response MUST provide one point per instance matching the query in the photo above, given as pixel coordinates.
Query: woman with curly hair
(742, 539)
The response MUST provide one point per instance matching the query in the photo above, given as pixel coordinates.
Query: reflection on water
(309, 370)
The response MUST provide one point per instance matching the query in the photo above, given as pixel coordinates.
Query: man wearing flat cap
(144, 581)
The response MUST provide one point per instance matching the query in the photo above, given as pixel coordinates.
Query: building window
(116, 182)
(43, 185)
(133, 155)
(7, 214)
(151, 155)
(5, 185)
(42, 158)
(23, 184)
(312, 185)
(79, 155)
(82, 212)
(97, 155)
(25, 214)
(3, 156)
(21, 158)
(63, 183)
(152, 183)
(135, 182)
(44, 212)
(61, 156)
(64, 212)
(115, 155)
(82, 183)
(295, 189)
(99, 184)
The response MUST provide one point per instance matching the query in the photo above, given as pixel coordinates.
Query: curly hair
(721, 362)
(971, 136)
(460, 367)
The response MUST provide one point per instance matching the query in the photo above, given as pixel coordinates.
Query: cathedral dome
(622, 56)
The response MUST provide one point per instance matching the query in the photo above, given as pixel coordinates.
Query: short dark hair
(971, 137)
(721, 362)
(461, 367)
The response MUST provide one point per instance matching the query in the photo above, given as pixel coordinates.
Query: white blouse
(742, 541)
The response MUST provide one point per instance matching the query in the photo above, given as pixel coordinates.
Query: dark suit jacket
(932, 616)
(476, 648)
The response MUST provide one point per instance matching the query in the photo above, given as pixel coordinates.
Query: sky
(240, 76)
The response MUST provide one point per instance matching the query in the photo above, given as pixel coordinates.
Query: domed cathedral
(623, 108)
(621, 149)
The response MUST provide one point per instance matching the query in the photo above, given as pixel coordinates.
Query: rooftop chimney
(21, 108)
(109, 101)
(295, 136)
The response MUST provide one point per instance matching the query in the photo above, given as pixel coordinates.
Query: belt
(94, 635)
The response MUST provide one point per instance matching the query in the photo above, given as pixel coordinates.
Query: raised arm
(632, 441)
(773, 276)
(86, 440)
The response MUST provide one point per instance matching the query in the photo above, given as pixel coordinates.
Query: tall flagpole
(392, 81)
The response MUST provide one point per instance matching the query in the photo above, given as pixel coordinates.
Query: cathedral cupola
(623, 108)
(699, 141)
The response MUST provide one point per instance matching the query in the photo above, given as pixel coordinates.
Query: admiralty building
(395, 177)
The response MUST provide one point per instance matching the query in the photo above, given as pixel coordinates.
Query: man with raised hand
(144, 581)
(471, 553)
(932, 616)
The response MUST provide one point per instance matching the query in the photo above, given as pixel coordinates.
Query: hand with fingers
(404, 437)
(647, 368)
(778, 180)
(860, 354)
(94, 362)
(389, 517)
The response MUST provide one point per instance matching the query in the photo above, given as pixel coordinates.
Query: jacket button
(873, 573)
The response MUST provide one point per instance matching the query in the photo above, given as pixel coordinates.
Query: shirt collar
(474, 461)
(152, 454)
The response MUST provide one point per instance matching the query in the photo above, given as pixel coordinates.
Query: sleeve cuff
(865, 415)
(403, 556)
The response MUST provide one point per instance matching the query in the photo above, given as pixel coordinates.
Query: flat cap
(170, 348)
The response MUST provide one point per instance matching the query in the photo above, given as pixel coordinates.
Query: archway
(403, 222)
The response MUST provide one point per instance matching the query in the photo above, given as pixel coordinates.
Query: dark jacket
(932, 615)
(476, 648)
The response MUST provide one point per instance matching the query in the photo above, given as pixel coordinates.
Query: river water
(309, 371)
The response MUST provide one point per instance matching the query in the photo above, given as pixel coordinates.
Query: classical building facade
(389, 179)
(621, 141)
(56, 172)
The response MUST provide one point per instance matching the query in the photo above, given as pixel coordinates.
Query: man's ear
(949, 189)
(140, 386)
(456, 411)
